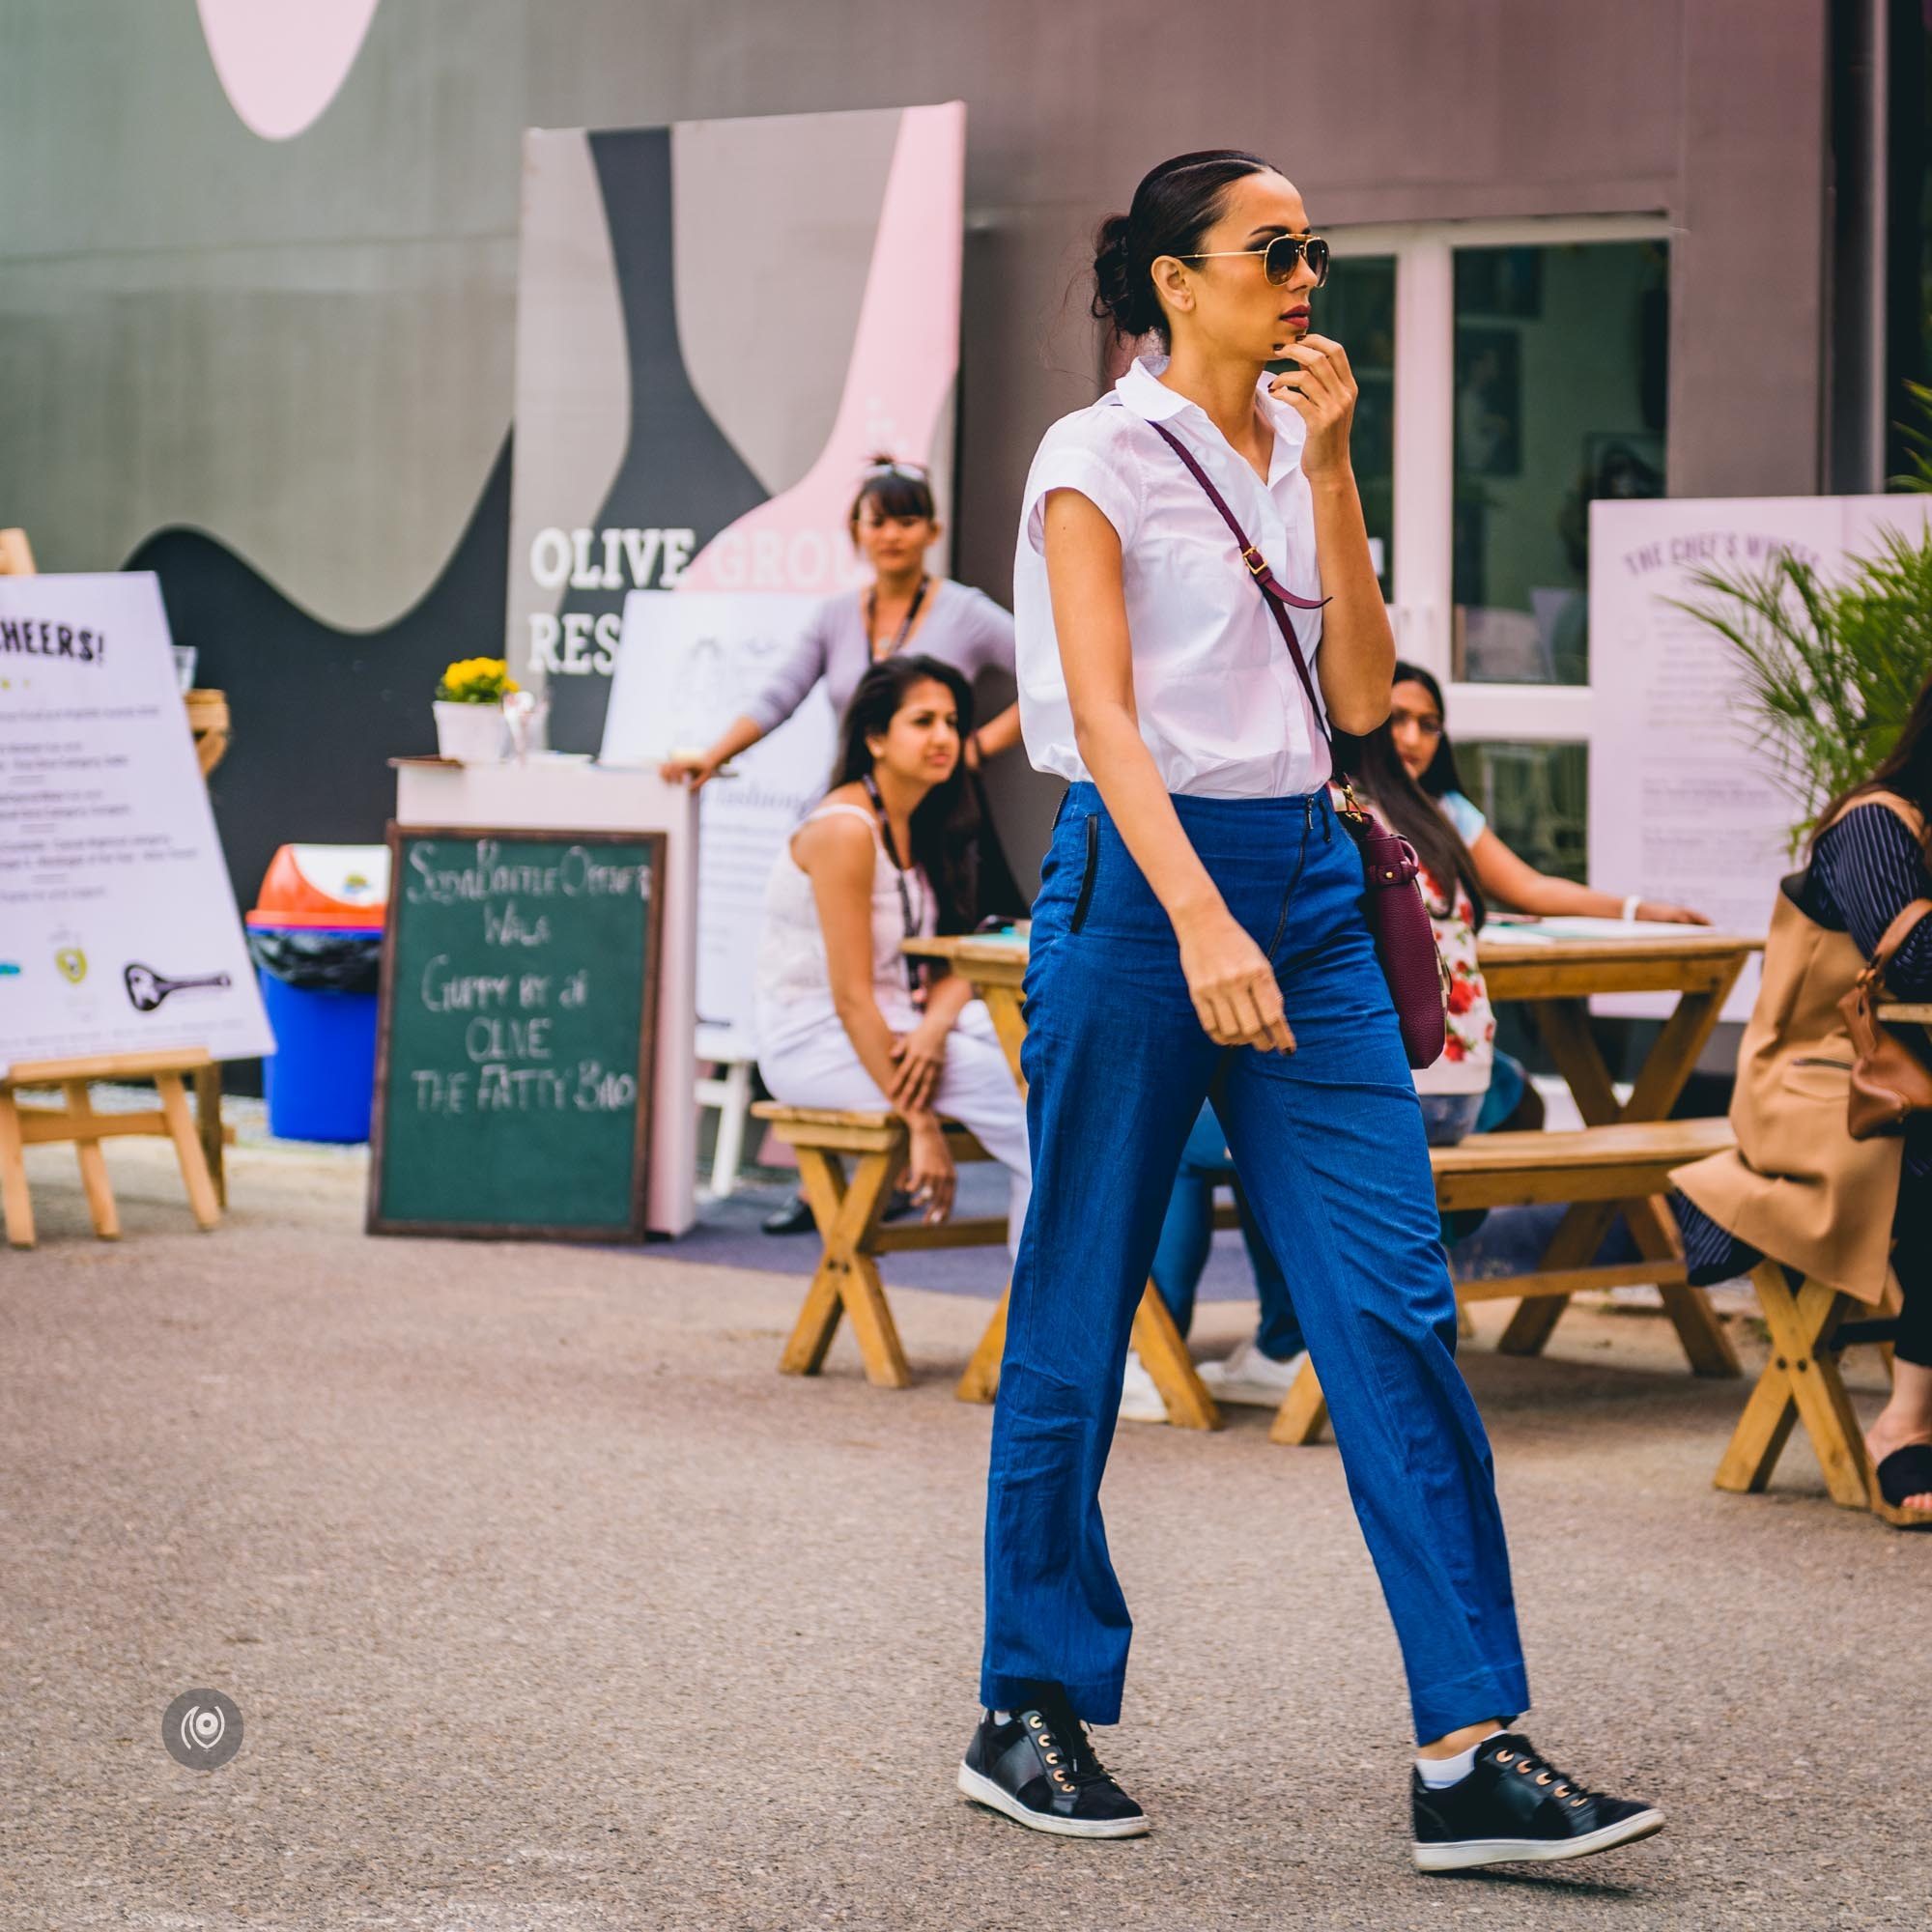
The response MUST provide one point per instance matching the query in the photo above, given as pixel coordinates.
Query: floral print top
(1469, 1043)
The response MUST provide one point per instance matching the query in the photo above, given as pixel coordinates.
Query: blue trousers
(1180, 1257)
(1329, 1143)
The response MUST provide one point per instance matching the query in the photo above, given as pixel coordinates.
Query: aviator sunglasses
(1279, 257)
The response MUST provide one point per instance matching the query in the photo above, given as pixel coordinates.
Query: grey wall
(305, 348)
(1388, 111)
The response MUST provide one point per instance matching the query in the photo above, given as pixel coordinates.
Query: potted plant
(469, 710)
(1831, 665)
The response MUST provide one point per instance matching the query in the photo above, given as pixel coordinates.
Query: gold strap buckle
(1257, 563)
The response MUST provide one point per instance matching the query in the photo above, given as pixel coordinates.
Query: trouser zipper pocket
(1087, 874)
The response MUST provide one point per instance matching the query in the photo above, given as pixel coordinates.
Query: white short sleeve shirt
(1219, 704)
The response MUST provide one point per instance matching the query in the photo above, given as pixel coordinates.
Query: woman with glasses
(1199, 933)
(844, 1018)
(1417, 719)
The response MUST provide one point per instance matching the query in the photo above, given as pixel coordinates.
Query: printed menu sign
(118, 928)
(1685, 802)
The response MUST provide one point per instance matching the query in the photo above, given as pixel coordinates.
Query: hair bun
(1119, 296)
(1175, 205)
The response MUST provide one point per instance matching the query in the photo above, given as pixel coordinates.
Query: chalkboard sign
(513, 1069)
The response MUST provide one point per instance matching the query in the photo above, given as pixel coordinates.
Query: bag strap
(1273, 594)
(1895, 936)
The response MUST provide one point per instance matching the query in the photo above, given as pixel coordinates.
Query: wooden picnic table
(1904, 1013)
(1556, 978)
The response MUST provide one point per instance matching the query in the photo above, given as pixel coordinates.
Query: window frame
(1422, 487)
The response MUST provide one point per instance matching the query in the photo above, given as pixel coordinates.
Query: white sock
(1003, 1717)
(1440, 1773)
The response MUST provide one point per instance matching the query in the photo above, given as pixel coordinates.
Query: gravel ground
(547, 1603)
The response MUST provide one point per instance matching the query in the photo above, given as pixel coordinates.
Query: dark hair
(1906, 769)
(1175, 205)
(1376, 766)
(1441, 776)
(892, 492)
(948, 816)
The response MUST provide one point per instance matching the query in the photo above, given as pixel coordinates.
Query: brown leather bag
(1890, 1080)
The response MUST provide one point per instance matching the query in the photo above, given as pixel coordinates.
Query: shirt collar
(1141, 390)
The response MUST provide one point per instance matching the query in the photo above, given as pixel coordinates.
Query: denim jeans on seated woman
(1181, 1258)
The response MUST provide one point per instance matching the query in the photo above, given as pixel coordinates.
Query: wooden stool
(849, 1217)
(1802, 1383)
(1622, 1160)
(23, 1127)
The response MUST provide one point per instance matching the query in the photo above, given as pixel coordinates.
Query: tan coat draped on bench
(1796, 1186)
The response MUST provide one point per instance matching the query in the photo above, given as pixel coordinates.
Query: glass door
(1529, 378)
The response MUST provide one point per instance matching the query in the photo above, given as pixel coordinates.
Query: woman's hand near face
(1322, 392)
(1234, 988)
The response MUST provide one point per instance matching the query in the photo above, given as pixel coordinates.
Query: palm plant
(1830, 667)
(1918, 435)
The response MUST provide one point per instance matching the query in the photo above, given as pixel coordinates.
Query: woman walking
(1199, 931)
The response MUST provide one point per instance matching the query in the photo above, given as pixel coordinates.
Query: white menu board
(118, 928)
(1685, 802)
(688, 663)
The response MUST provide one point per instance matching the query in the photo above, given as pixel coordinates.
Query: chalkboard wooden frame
(632, 1228)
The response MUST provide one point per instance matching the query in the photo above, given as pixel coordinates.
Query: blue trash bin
(317, 939)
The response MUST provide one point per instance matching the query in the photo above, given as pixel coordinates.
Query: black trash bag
(318, 962)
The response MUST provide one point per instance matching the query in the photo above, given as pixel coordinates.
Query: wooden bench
(1802, 1382)
(1619, 1161)
(850, 1212)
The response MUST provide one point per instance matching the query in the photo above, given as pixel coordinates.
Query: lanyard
(914, 968)
(905, 623)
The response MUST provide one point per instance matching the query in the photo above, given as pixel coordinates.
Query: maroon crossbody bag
(1393, 905)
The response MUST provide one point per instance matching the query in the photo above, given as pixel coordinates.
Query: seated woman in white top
(843, 1017)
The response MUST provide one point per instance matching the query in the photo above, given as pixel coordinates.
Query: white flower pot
(473, 734)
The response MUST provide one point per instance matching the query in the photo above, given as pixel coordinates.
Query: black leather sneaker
(1515, 1807)
(1040, 1769)
(793, 1218)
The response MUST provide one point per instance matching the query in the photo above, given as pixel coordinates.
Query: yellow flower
(475, 681)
